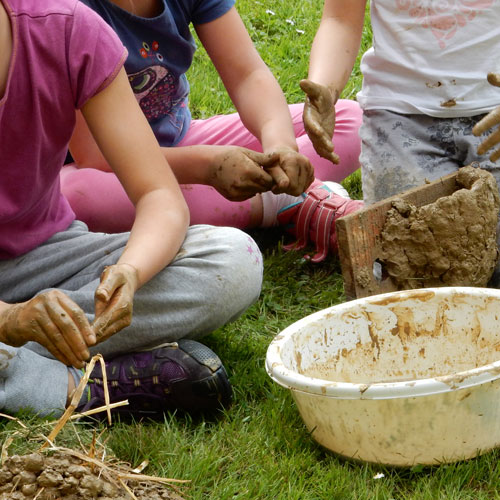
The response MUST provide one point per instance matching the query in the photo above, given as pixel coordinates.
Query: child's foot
(185, 375)
(313, 218)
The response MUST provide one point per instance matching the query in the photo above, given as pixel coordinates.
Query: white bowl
(402, 378)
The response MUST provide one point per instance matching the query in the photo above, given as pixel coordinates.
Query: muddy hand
(53, 320)
(238, 173)
(298, 171)
(319, 118)
(488, 122)
(114, 299)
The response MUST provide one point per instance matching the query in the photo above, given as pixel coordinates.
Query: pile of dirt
(61, 476)
(451, 242)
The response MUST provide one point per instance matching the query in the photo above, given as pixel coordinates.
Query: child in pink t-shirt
(67, 293)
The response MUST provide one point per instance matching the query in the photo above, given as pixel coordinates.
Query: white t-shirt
(432, 57)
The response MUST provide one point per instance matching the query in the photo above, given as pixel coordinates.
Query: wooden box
(359, 239)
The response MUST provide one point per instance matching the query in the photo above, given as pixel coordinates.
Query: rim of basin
(377, 390)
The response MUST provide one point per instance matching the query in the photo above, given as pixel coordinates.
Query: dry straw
(112, 471)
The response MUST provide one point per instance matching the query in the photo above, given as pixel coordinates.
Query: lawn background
(259, 448)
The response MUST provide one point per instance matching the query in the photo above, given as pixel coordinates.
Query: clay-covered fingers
(320, 136)
(63, 326)
(271, 165)
(312, 90)
(114, 318)
(494, 79)
(114, 299)
(301, 172)
(319, 118)
(489, 121)
(53, 320)
(492, 140)
(65, 330)
(239, 173)
(298, 170)
(492, 119)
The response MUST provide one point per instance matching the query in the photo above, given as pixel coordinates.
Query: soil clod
(62, 477)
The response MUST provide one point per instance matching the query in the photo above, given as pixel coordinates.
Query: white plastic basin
(402, 378)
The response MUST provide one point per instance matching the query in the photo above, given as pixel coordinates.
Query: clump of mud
(65, 477)
(451, 242)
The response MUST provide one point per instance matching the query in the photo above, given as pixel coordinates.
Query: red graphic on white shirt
(443, 17)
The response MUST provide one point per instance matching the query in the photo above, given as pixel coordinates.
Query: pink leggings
(99, 200)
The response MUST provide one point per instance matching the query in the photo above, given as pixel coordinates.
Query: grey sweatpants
(400, 152)
(215, 277)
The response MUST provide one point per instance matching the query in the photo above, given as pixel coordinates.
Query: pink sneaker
(313, 219)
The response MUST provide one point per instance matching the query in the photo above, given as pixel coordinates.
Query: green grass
(260, 449)
(283, 32)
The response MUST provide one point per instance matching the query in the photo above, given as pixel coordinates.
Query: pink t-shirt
(63, 54)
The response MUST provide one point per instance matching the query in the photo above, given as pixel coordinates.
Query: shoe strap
(318, 202)
(326, 216)
(323, 207)
(305, 213)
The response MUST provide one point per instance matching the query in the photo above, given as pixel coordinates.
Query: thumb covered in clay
(491, 120)
(270, 162)
(319, 118)
(494, 79)
(311, 89)
(114, 300)
(265, 160)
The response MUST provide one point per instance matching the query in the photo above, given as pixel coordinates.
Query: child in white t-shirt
(424, 84)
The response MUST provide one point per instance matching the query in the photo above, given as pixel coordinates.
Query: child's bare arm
(162, 217)
(264, 111)
(258, 98)
(333, 53)
(336, 44)
(240, 178)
